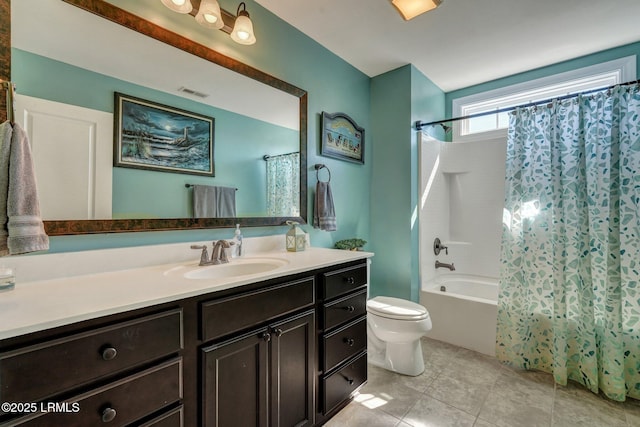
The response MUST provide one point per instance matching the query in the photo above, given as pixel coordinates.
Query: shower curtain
(569, 300)
(283, 185)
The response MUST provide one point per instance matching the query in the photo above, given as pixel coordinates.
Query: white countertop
(50, 302)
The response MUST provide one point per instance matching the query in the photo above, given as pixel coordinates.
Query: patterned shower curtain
(283, 185)
(569, 300)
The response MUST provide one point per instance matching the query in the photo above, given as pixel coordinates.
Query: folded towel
(324, 216)
(24, 228)
(214, 202)
(6, 131)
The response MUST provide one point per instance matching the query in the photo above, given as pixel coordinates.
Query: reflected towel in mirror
(214, 202)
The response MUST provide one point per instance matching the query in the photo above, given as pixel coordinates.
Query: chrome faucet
(218, 253)
(445, 265)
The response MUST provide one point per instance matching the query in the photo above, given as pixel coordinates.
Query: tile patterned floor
(463, 388)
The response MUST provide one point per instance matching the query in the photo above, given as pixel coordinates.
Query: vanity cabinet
(120, 373)
(283, 352)
(263, 378)
(342, 336)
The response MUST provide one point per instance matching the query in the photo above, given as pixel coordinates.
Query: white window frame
(592, 77)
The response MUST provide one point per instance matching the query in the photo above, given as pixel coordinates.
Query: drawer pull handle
(350, 280)
(277, 332)
(108, 415)
(349, 341)
(266, 336)
(350, 308)
(349, 380)
(109, 353)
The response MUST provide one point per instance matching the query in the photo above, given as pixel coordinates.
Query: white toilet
(394, 329)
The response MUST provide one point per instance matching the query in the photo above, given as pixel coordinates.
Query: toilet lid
(396, 308)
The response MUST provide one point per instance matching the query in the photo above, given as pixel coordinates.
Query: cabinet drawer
(342, 281)
(120, 402)
(224, 316)
(338, 386)
(173, 418)
(344, 343)
(39, 371)
(345, 309)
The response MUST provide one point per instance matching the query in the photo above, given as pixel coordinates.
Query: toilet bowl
(394, 329)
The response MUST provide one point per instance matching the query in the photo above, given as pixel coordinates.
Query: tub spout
(445, 265)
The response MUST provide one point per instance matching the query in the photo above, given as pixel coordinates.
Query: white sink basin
(235, 268)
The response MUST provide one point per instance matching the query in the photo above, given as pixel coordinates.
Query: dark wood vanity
(283, 352)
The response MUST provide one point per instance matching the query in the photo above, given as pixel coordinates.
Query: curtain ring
(321, 166)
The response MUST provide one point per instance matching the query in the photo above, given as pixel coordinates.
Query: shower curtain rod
(419, 125)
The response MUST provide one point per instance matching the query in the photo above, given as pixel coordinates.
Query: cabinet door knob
(349, 341)
(277, 332)
(266, 336)
(350, 308)
(108, 415)
(109, 353)
(350, 280)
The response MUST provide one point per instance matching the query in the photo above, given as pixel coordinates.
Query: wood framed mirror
(110, 12)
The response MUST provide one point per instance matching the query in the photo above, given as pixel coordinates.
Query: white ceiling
(463, 42)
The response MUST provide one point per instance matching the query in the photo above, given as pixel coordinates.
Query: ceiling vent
(193, 92)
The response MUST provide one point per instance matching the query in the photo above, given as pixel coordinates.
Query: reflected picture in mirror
(84, 59)
(158, 137)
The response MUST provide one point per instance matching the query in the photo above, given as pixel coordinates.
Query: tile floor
(463, 388)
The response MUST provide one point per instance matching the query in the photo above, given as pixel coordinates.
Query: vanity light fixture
(180, 6)
(243, 29)
(409, 9)
(210, 15)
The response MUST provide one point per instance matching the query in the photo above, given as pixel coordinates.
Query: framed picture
(157, 137)
(342, 138)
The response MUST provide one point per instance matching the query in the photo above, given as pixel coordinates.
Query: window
(583, 79)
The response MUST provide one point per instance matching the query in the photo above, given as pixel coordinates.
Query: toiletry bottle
(236, 248)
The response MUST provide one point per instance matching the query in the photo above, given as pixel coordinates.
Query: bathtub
(463, 310)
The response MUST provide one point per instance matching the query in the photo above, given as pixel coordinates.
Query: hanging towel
(324, 216)
(22, 227)
(214, 202)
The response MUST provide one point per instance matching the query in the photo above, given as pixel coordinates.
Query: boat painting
(158, 137)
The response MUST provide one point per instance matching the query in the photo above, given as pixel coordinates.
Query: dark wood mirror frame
(117, 15)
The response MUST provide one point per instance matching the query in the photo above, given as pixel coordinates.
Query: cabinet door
(292, 371)
(235, 382)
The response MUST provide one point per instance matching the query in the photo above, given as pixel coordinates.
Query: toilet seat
(396, 308)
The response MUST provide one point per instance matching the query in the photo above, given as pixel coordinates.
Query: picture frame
(153, 136)
(342, 138)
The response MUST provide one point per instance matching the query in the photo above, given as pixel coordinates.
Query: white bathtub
(465, 312)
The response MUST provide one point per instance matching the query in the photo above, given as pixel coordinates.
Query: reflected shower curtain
(569, 300)
(283, 185)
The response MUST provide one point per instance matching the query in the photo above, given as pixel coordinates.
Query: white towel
(22, 227)
(324, 216)
(214, 202)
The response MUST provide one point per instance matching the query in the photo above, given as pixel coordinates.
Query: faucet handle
(204, 256)
(438, 246)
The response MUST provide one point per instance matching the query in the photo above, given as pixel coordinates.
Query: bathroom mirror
(244, 76)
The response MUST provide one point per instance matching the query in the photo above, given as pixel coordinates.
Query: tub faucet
(445, 265)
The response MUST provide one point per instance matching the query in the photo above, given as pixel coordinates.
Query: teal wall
(284, 52)
(398, 99)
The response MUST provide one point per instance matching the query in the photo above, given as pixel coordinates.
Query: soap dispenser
(236, 248)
